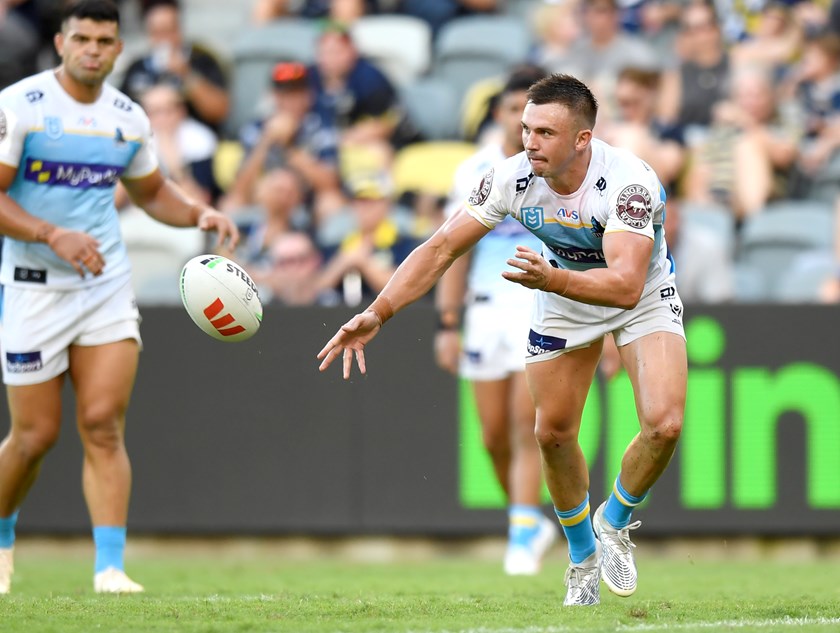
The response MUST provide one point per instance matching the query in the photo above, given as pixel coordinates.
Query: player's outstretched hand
(212, 220)
(448, 350)
(78, 249)
(535, 270)
(351, 339)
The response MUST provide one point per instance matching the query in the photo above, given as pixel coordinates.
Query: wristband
(382, 308)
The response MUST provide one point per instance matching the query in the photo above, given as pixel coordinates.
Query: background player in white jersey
(604, 268)
(66, 138)
(490, 355)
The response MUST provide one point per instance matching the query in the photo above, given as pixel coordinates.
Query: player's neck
(80, 92)
(571, 179)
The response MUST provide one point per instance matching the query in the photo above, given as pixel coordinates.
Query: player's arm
(79, 249)
(168, 203)
(619, 285)
(412, 280)
(449, 301)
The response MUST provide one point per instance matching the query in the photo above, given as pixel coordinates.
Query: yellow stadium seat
(428, 167)
(226, 162)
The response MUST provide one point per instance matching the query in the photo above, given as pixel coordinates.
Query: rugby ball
(221, 298)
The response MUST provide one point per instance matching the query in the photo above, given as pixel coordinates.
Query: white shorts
(39, 326)
(561, 325)
(495, 333)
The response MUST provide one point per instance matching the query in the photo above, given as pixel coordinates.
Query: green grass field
(265, 591)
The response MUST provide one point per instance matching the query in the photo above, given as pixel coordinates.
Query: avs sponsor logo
(34, 96)
(601, 185)
(480, 194)
(77, 175)
(532, 217)
(568, 217)
(23, 362)
(4, 125)
(53, 127)
(633, 206)
(667, 293)
(122, 104)
(87, 121)
(597, 228)
(543, 343)
(579, 255)
(522, 183)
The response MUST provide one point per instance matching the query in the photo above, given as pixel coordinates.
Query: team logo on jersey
(480, 194)
(532, 218)
(597, 228)
(53, 127)
(4, 125)
(522, 183)
(23, 362)
(601, 185)
(634, 207)
(34, 96)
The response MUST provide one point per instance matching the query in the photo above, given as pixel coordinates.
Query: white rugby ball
(221, 298)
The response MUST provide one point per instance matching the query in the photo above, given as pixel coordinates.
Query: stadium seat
(217, 26)
(254, 53)
(713, 217)
(429, 167)
(226, 162)
(801, 283)
(400, 45)
(433, 106)
(780, 238)
(476, 47)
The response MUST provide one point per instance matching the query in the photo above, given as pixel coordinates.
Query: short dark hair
(521, 78)
(96, 10)
(567, 91)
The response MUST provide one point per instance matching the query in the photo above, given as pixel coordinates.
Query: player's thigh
(658, 370)
(103, 377)
(559, 386)
(35, 412)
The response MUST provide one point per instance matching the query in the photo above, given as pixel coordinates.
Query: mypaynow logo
(728, 450)
(81, 175)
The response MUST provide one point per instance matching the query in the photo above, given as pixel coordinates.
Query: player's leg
(559, 387)
(103, 377)
(35, 412)
(657, 367)
(531, 533)
(491, 404)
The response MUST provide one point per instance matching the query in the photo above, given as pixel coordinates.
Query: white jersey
(69, 156)
(619, 193)
(493, 250)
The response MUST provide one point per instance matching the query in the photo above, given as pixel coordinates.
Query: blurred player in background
(66, 137)
(495, 326)
(604, 268)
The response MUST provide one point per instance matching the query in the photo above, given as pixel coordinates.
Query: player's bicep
(7, 176)
(144, 189)
(459, 233)
(628, 254)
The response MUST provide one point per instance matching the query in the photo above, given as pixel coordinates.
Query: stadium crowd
(330, 130)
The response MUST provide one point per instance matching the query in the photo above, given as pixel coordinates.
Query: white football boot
(113, 580)
(618, 569)
(583, 581)
(7, 567)
(526, 560)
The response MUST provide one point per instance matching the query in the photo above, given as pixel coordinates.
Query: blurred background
(331, 131)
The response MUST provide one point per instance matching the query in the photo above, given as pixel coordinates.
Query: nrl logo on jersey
(633, 206)
(532, 218)
(480, 194)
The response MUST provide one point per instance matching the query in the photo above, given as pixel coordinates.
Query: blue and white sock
(577, 527)
(621, 504)
(524, 523)
(110, 547)
(7, 530)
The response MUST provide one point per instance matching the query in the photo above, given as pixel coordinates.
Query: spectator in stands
(556, 27)
(439, 12)
(193, 69)
(278, 210)
(816, 81)
(633, 125)
(360, 266)
(775, 42)
(20, 40)
(355, 94)
(752, 143)
(184, 146)
(290, 275)
(690, 91)
(343, 11)
(604, 49)
(296, 136)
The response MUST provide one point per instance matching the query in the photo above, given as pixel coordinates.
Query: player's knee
(100, 428)
(495, 441)
(34, 442)
(666, 431)
(550, 435)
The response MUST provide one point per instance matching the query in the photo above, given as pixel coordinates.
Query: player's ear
(58, 42)
(582, 139)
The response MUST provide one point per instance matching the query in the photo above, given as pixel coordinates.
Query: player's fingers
(348, 362)
(360, 360)
(327, 350)
(78, 267)
(515, 263)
